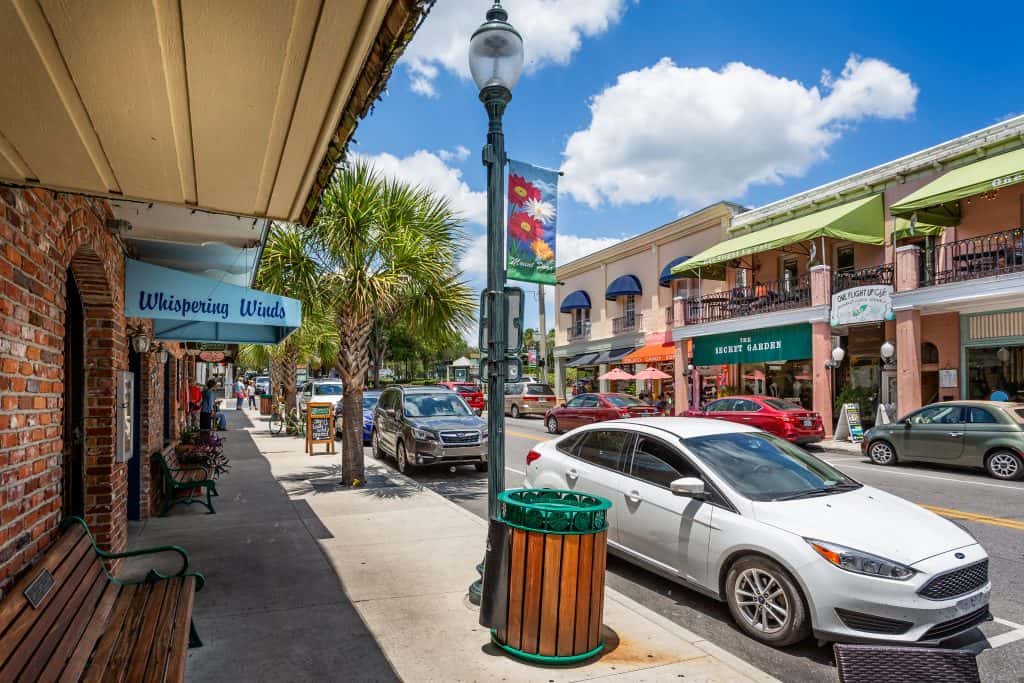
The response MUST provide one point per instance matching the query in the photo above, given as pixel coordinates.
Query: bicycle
(283, 420)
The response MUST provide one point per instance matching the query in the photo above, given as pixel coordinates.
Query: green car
(988, 434)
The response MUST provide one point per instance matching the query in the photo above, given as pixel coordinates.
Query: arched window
(929, 353)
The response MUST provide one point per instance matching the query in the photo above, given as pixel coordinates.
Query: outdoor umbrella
(652, 373)
(616, 375)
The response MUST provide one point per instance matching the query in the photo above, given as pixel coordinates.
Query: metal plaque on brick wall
(125, 415)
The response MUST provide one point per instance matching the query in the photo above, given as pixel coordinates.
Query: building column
(603, 384)
(560, 378)
(821, 376)
(908, 361)
(906, 268)
(681, 399)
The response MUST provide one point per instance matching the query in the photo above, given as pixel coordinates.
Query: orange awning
(652, 353)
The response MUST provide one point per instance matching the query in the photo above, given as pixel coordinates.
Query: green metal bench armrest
(189, 469)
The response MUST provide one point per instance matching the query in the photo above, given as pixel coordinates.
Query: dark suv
(428, 425)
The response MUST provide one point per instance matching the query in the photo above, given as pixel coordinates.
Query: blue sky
(637, 101)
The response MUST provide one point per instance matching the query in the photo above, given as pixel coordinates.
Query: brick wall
(42, 235)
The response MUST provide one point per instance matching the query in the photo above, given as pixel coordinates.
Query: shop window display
(990, 370)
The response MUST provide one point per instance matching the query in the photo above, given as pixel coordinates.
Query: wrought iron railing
(579, 330)
(762, 297)
(628, 323)
(995, 254)
(876, 275)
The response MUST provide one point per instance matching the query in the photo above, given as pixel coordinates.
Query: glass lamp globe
(888, 350)
(838, 354)
(1003, 354)
(496, 51)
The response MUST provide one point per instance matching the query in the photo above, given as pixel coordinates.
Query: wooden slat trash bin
(556, 569)
(266, 404)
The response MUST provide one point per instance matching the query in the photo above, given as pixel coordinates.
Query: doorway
(73, 455)
(135, 461)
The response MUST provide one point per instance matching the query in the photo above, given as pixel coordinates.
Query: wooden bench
(187, 479)
(68, 619)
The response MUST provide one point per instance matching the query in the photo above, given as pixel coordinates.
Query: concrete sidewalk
(308, 580)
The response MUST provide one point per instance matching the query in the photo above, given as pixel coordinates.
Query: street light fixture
(495, 61)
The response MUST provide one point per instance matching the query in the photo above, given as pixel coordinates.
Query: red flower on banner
(524, 227)
(519, 190)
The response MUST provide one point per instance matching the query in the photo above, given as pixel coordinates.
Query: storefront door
(73, 461)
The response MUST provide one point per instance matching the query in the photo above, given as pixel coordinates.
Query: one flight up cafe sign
(790, 342)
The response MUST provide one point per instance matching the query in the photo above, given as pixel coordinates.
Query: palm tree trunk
(288, 363)
(353, 364)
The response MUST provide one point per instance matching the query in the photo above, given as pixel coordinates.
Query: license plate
(808, 423)
(972, 603)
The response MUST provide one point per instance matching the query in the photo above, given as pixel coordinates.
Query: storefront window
(993, 369)
(789, 380)
(844, 259)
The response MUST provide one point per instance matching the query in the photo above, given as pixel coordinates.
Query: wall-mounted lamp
(838, 354)
(162, 355)
(1003, 354)
(141, 342)
(689, 367)
(888, 350)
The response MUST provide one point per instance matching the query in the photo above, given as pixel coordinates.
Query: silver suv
(426, 426)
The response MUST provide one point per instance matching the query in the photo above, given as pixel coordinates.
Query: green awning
(904, 228)
(938, 202)
(858, 221)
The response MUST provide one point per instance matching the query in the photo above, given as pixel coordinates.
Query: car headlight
(423, 434)
(483, 435)
(860, 562)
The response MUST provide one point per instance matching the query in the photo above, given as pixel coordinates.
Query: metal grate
(873, 663)
(954, 626)
(466, 438)
(957, 582)
(873, 624)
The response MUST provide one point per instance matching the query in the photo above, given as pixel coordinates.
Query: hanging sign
(867, 304)
(211, 356)
(319, 426)
(532, 213)
(790, 342)
(850, 427)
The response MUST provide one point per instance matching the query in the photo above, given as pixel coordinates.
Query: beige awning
(231, 106)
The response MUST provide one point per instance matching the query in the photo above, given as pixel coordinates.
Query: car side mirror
(906, 424)
(691, 487)
(561, 405)
(477, 412)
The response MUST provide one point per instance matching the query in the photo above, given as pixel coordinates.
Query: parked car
(469, 392)
(792, 545)
(590, 408)
(987, 434)
(428, 425)
(319, 391)
(262, 384)
(528, 398)
(774, 415)
(370, 398)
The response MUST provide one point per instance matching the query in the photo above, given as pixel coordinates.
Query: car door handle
(956, 435)
(572, 474)
(634, 497)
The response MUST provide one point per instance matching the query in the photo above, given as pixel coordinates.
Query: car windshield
(327, 389)
(779, 404)
(764, 467)
(538, 390)
(370, 402)
(623, 401)
(435, 405)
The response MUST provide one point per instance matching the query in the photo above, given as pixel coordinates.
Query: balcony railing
(995, 254)
(579, 330)
(670, 315)
(763, 297)
(633, 322)
(876, 275)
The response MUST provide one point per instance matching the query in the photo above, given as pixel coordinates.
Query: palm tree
(385, 247)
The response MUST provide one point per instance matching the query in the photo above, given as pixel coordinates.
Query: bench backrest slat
(15, 601)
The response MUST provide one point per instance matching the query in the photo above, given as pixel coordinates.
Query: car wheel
(375, 450)
(1005, 465)
(882, 453)
(480, 466)
(400, 457)
(552, 425)
(765, 602)
(515, 411)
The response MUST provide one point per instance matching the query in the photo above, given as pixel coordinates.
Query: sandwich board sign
(850, 427)
(319, 426)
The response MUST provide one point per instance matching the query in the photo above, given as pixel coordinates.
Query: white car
(319, 391)
(791, 544)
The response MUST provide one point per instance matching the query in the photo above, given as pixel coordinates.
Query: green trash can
(556, 557)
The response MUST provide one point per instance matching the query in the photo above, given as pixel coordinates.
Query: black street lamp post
(495, 60)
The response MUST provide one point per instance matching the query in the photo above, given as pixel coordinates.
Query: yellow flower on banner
(542, 250)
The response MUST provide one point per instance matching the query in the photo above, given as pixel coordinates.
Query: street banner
(532, 212)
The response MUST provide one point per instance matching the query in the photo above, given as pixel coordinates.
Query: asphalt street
(993, 511)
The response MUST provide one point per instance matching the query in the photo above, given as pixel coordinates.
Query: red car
(469, 392)
(589, 408)
(773, 415)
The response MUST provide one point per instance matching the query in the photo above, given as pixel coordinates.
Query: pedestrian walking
(239, 394)
(206, 405)
(251, 392)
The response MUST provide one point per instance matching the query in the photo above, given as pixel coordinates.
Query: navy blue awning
(624, 285)
(613, 356)
(666, 273)
(578, 299)
(583, 360)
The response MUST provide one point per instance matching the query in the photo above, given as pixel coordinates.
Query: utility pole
(543, 360)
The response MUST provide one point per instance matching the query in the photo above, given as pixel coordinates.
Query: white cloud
(460, 153)
(429, 170)
(552, 32)
(567, 248)
(696, 135)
